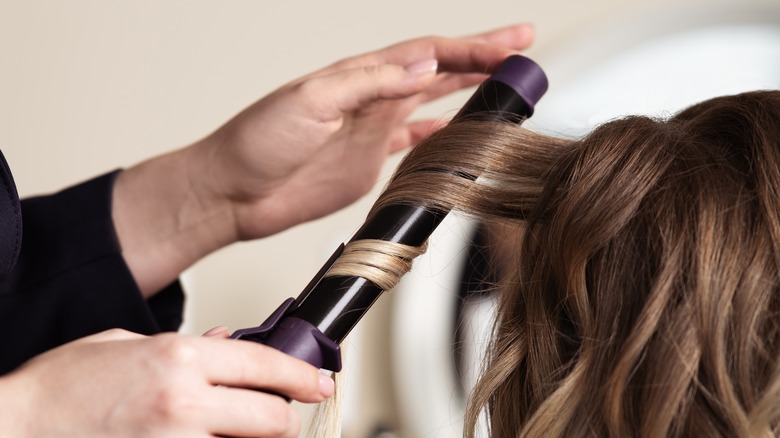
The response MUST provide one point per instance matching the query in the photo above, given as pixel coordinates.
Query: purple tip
(524, 76)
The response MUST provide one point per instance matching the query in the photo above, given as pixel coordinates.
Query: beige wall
(90, 85)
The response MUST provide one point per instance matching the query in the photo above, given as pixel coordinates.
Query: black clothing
(70, 279)
(10, 220)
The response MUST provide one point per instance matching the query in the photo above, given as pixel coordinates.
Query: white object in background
(429, 400)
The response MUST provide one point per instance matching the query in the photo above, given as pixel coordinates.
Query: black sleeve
(71, 280)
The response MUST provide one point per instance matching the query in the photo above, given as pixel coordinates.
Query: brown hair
(642, 295)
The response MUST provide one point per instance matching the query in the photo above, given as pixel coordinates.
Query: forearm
(165, 220)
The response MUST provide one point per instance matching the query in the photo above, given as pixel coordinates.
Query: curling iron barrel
(311, 326)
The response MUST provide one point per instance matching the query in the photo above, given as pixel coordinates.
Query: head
(640, 297)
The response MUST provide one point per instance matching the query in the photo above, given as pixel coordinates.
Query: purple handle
(296, 337)
(525, 77)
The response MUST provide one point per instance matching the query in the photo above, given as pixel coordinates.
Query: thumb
(349, 90)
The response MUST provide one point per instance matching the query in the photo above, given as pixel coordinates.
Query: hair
(640, 297)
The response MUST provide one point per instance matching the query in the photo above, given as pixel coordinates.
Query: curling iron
(312, 326)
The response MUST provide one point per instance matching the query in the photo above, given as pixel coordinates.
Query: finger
(219, 331)
(250, 365)
(446, 83)
(453, 55)
(333, 95)
(471, 58)
(422, 129)
(516, 36)
(412, 133)
(247, 413)
(475, 53)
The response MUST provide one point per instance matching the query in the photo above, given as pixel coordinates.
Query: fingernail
(422, 67)
(327, 386)
(216, 330)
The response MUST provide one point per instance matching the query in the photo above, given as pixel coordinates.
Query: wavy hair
(641, 295)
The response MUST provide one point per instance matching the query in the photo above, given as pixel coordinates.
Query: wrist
(167, 216)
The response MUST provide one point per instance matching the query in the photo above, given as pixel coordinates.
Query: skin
(309, 148)
(122, 384)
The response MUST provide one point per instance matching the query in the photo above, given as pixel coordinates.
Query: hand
(317, 144)
(118, 383)
(309, 148)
